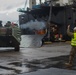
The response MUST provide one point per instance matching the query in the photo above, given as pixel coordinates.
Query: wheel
(17, 48)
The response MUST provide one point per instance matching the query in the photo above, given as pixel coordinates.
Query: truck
(10, 37)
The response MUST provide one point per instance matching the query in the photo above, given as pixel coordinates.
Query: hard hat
(74, 28)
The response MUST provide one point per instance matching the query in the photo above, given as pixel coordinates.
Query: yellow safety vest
(73, 41)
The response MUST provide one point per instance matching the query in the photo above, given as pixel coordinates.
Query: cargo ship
(60, 15)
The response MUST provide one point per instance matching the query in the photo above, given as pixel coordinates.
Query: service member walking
(73, 44)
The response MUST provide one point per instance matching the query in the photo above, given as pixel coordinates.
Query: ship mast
(31, 3)
(40, 1)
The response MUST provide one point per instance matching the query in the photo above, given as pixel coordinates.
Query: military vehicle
(10, 37)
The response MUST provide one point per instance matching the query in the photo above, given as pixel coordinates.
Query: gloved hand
(68, 26)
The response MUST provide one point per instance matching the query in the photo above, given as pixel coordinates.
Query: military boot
(70, 63)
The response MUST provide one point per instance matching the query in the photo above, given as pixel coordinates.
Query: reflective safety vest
(73, 41)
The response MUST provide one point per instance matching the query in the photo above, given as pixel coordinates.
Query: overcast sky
(8, 9)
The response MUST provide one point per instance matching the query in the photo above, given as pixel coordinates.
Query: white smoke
(34, 40)
(37, 25)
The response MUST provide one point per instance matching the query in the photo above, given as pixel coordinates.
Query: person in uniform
(73, 46)
(8, 24)
(0, 23)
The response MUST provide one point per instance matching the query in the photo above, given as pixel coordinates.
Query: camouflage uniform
(73, 50)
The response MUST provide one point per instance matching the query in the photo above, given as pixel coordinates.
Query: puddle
(34, 65)
(21, 67)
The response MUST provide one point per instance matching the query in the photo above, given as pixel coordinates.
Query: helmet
(0, 21)
(74, 28)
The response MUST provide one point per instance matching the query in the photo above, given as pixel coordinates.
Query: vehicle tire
(17, 48)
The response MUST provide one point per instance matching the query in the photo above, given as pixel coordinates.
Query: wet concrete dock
(46, 60)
